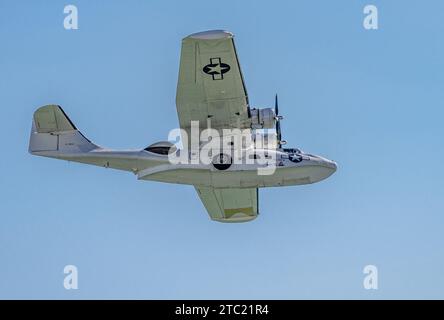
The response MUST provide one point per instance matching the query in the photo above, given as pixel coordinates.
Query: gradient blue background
(370, 100)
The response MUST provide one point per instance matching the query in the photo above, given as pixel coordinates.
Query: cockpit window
(158, 150)
(162, 147)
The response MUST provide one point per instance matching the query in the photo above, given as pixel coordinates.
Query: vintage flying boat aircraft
(211, 92)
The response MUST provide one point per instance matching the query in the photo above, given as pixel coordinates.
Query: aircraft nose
(324, 170)
(328, 163)
(332, 165)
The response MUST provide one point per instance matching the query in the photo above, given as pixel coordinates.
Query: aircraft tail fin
(54, 133)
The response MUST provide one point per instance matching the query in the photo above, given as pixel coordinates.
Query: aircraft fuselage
(283, 169)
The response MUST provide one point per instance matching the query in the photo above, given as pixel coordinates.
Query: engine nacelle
(263, 118)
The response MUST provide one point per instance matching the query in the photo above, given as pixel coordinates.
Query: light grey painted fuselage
(151, 166)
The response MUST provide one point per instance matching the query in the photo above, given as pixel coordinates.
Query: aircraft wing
(210, 84)
(230, 205)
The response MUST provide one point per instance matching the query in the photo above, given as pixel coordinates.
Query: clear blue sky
(371, 100)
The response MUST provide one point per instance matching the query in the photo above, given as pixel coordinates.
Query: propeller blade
(278, 133)
(278, 121)
(276, 105)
